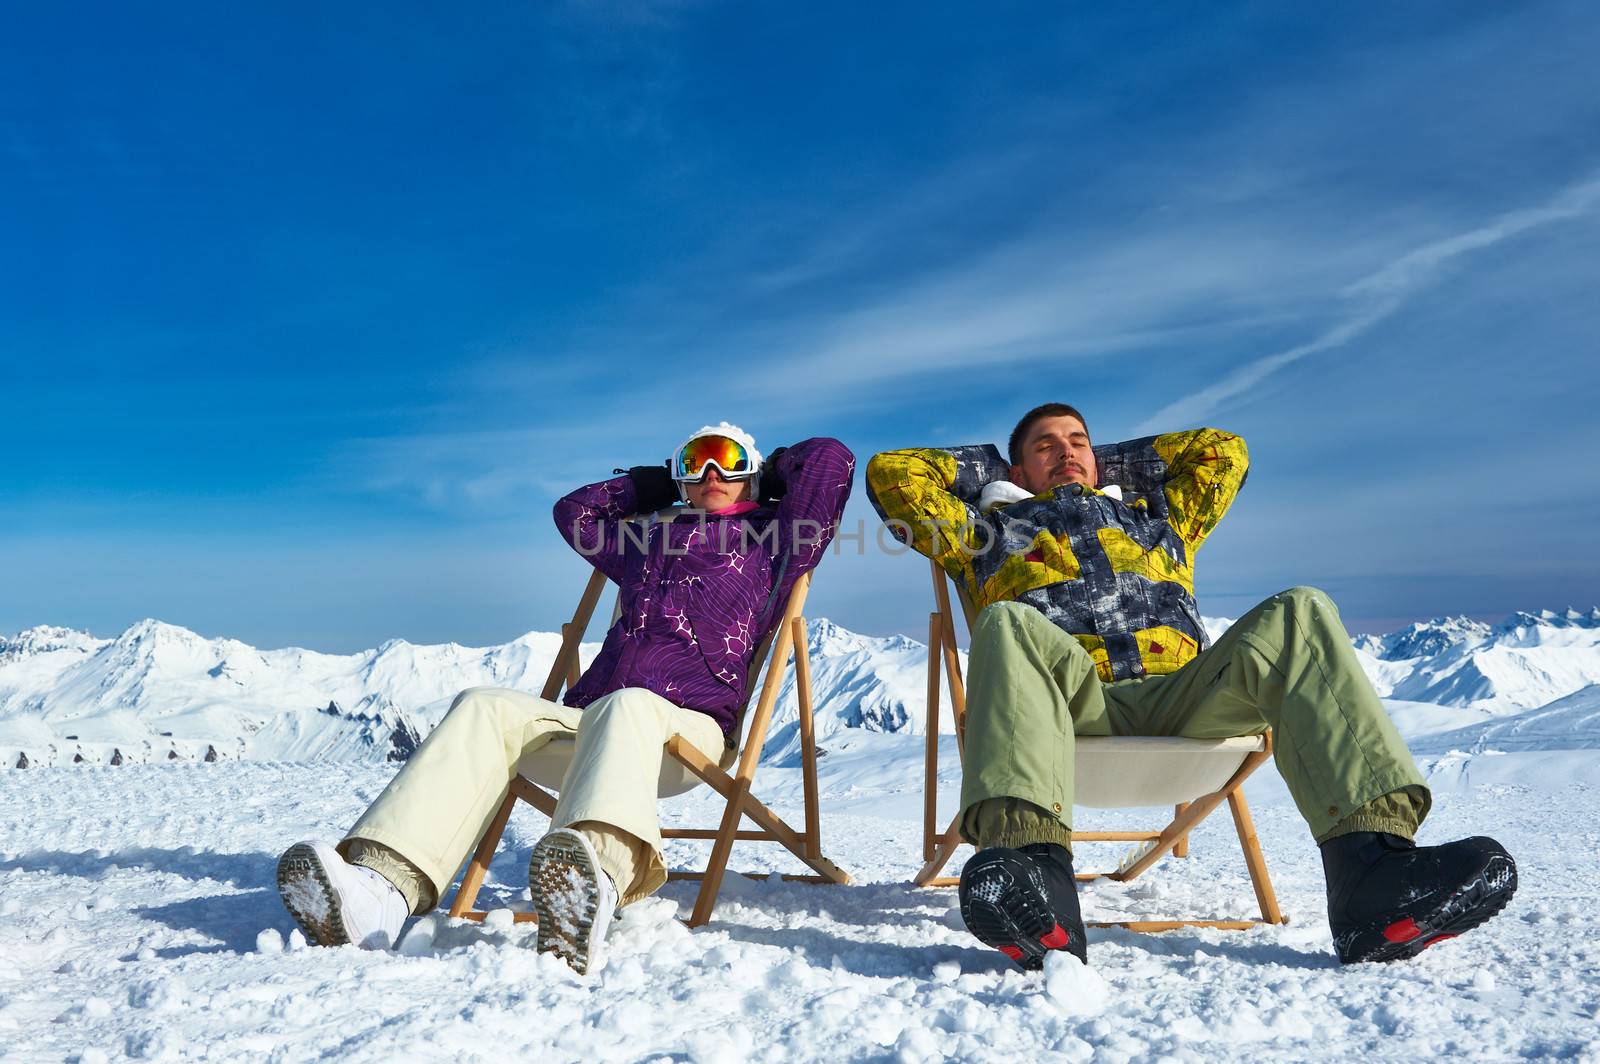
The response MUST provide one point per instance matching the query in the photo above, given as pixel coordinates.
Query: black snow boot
(1024, 902)
(1390, 899)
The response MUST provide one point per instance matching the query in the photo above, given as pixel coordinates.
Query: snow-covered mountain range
(1526, 661)
(158, 692)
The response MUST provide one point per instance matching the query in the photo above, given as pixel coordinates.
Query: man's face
(1056, 451)
(713, 493)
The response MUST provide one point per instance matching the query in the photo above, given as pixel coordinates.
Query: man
(1080, 560)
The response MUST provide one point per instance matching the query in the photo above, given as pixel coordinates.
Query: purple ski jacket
(700, 591)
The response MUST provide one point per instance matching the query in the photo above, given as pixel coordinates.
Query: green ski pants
(1287, 664)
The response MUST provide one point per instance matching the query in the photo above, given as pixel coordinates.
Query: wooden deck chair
(684, 767)
(1193, 775)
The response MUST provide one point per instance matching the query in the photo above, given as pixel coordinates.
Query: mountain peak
(150, 628)
(825, 637)
(44, 639)
(1428, 638)
(1568, 618)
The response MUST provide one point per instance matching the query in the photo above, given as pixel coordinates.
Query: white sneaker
(573, 896)
(337, 903)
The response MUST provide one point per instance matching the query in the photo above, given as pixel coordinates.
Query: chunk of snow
(1074, 987)
(417, 941)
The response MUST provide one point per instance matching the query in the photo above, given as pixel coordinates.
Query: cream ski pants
(426, 822)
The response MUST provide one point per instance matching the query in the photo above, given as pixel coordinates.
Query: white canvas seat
(1126, 771)
(547, 766)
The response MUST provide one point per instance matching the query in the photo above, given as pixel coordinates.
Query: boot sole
(1476, 903)
(1002, 910)
(566, 896)
(309, 896)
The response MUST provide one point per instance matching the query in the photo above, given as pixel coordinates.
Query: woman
(699, 591)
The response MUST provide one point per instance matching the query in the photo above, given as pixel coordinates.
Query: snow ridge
(159, 692)
(1427, 639)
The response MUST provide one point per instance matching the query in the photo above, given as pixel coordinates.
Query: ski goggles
(730, 457)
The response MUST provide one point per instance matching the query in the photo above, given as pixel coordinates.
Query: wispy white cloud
(1056, 298)
(475, 469)
(1381, 294)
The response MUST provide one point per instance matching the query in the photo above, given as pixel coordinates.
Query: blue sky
(307, 314)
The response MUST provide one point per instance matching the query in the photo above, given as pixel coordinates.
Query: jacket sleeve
(912, 492)
(818, 473)
(1205, 470)
(591, 520)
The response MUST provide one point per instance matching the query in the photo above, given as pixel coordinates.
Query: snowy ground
(138, 919)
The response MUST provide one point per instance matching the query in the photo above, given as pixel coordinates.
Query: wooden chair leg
(938, 848)
(749, 757)
(773, 827)
(1182, 848)
(947, 650)
(945, 849)
(1253, 859)
(573, 674)
(808, 740)
(565, 667)
(706, 900)
(952, 672)
(478, 867)
(534, 795)
(1193, 813)
(930, 789)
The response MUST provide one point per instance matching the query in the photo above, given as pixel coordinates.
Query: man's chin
(1064, 481)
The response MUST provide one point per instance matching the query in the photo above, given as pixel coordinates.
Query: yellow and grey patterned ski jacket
(1118, 574)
